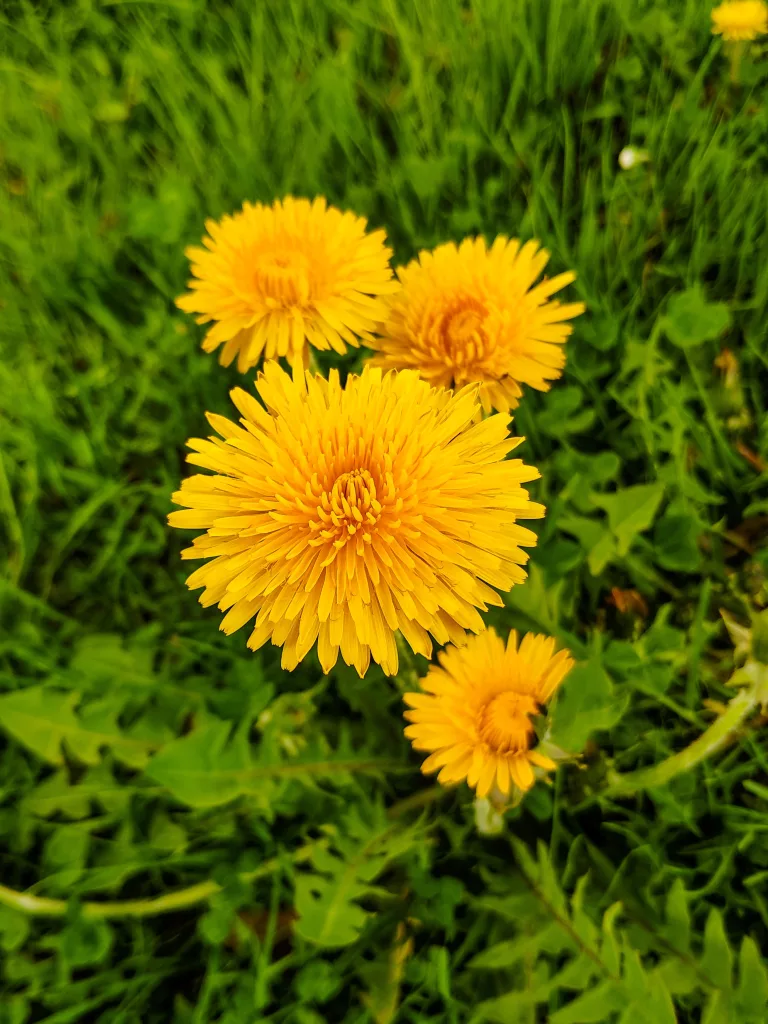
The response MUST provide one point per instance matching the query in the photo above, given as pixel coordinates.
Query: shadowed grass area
(123, 126)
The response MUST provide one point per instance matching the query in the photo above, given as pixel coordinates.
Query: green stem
(182, 899)
(735, 52)
(417, 801)
(42, 906)
(717, 736)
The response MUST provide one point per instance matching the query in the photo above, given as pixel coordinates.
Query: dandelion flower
(738, 20)
(471, 314)
(273, 279)
(341, 515)
(475, 716)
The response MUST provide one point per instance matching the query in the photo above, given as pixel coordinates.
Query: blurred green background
(123, 125)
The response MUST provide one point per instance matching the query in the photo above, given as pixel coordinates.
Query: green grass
(123, 125)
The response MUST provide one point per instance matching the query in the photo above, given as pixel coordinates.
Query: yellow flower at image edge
(471, 314)
(475, 714)
(341, 515)
(274, 279)
(738, 20)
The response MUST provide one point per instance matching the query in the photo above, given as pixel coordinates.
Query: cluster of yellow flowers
(343, 516)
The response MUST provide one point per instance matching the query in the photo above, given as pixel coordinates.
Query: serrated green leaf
(752, 993)
(680, 978)
(58, 795)
(593, 1007)
(719, 1010)
(678, 927)
(506, 954)
(326, 899)
(610, 951)
(44, 720)
(207, 768)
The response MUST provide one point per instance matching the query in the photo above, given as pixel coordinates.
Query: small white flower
(630, 157)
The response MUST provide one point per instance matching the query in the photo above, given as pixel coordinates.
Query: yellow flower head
(740, 19)
(340, 515)
(475, 716)
(274, 278)
(471, 314)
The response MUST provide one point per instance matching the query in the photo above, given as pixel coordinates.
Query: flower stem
(717, 736)
(42, 906)
(735, 52)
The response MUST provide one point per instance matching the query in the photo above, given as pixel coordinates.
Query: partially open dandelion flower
(273, 279)
(340, 515)
(470, 314)
(738, 20)
(475, 713)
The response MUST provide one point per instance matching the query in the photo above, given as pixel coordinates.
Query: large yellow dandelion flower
(471, 314)
(340, 515)
(274, 278)
(475, 716)
(738, 20)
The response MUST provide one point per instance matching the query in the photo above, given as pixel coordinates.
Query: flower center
(283, 279)
(458, 337)
(349, 509)
(505, 724)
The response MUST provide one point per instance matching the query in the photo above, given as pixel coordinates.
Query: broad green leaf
(318, 981)
(691, 320)
(675, 543)
(165, 835)
(585, 704)
(566, 412)
(206, 768)
(67, 847)
(594, 538)
(535, 600)
(14, 929)
(717, 960)
(601, 554)
(631, 511)
(44, 719)
(102, 660)
(86, 942)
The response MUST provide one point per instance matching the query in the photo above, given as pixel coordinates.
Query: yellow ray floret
(474, 715)
(338, 516)
(738, 20)
(472, 314)
(273, 279)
